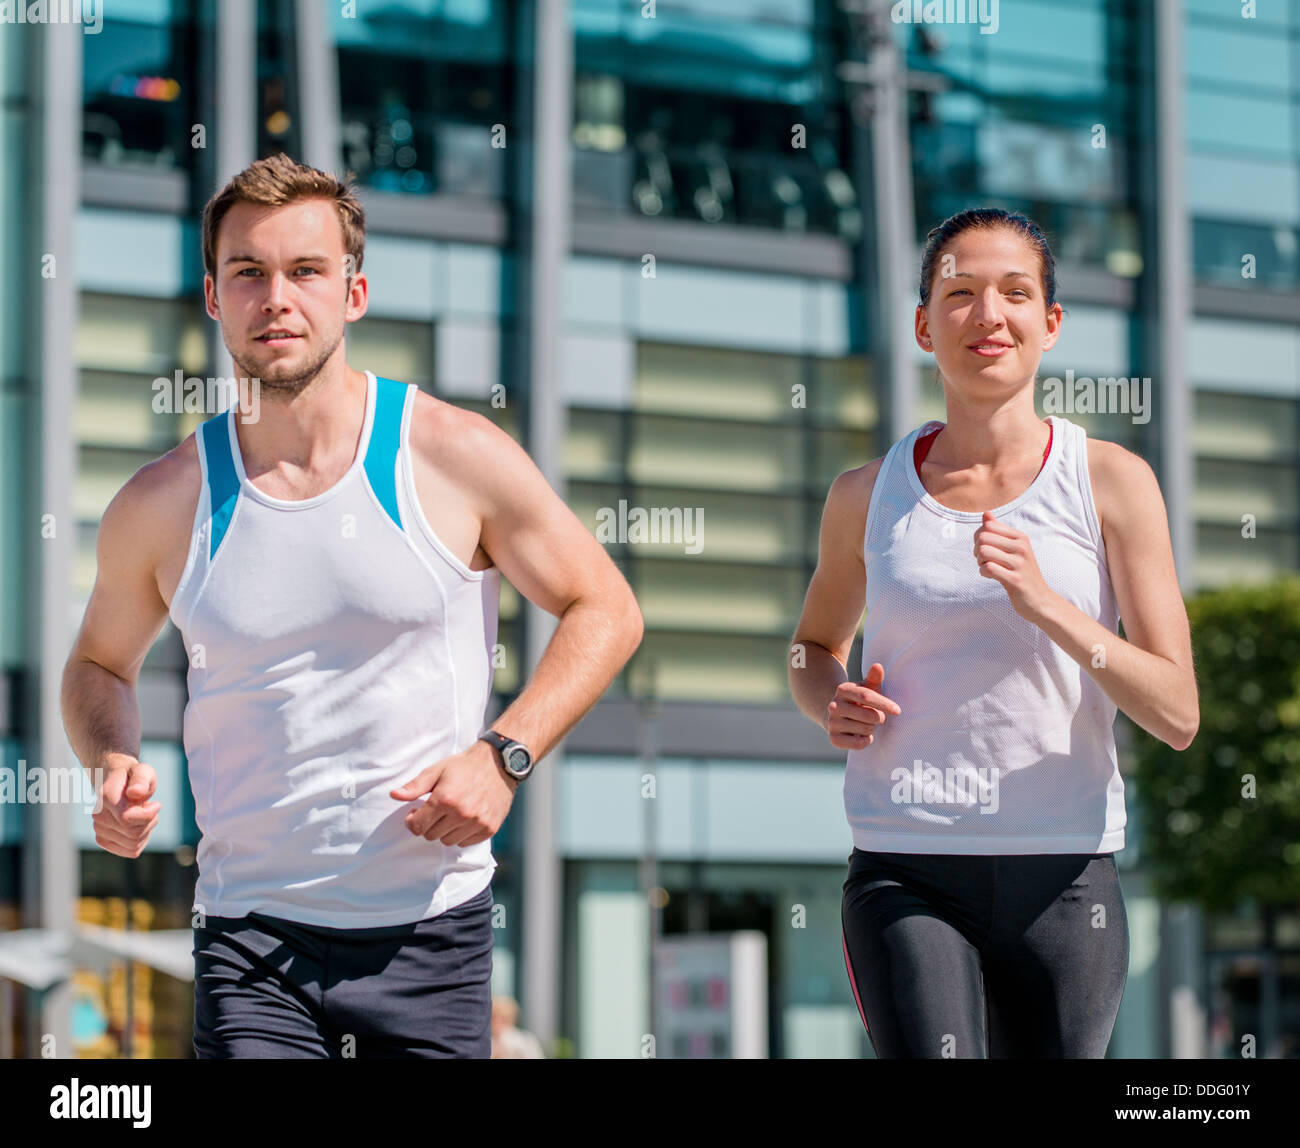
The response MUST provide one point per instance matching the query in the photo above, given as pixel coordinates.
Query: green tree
(1221, 819)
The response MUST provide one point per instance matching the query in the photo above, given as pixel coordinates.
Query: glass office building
(721, 352)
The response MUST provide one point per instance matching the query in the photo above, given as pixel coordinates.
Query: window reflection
(423, 84)
(1221, 247)
(1011, 131)
(1079, 233)
(138, 91)
(1243, 150)
(277, 122)
(712, 113)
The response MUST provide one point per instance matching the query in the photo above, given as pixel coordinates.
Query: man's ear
(363, 305)
(210, 301)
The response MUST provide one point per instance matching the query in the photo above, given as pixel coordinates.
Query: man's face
(280, 291)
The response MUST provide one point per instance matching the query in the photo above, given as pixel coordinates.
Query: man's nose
(275, 290)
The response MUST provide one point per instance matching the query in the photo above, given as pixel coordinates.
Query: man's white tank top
(336, 648)
(1005, 743)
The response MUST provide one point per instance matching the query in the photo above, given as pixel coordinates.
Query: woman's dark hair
(987, 218)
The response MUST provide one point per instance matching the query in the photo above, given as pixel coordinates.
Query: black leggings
(966, 957)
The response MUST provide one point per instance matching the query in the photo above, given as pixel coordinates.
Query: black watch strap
(510, 751)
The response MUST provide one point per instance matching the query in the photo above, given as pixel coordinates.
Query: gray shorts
(269, 988)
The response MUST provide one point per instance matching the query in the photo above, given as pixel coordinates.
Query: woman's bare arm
(1150, 676)
(832, 609)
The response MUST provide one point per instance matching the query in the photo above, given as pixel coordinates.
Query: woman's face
(987, 321)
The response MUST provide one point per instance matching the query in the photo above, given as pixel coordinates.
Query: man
(333, 567)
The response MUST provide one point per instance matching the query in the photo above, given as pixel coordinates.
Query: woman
(982, 914)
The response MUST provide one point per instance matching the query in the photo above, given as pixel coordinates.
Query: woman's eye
(964, 291)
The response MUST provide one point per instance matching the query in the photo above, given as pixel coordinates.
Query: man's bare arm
(101, 712)
(554, 561)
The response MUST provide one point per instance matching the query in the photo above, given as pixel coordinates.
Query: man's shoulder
(167, 483)
(453, 438)
(155, 507)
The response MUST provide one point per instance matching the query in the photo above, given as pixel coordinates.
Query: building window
(714, 113)
(1243, 150)
(708, 491)
(123, 421)
(1247, 487)
(426, 89)
(1013, 129)
(139, 92)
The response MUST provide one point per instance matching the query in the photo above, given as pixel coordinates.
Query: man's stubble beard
(285, 388)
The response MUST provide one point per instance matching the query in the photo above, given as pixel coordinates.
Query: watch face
(518, 760)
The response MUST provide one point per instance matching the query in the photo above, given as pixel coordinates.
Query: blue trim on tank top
(223, 482)
(385, 437)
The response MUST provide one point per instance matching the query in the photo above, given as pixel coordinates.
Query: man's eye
(255, 271)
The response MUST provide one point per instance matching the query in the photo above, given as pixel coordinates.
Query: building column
(51, 879)
(1137, 1033)
(543, 206)
(1171, 284)
(612, 948)
(878, 85)
(231, 105)
(317, 98)
(1173, 288)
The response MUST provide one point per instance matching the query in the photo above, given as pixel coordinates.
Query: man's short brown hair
(279, 180)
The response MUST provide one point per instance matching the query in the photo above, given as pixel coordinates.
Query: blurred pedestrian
(509, 1041)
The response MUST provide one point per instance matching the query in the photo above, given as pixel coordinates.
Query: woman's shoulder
(853, 487)
(856, 485)
(848, 501)
(1119, 479)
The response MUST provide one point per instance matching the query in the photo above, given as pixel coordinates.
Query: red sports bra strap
(925, 441)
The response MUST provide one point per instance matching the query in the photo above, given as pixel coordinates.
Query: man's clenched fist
(126, 816)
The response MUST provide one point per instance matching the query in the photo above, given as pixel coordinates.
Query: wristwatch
(516, 760)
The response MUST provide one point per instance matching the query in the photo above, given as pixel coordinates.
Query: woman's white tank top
(1005, 743)
(336, 648)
